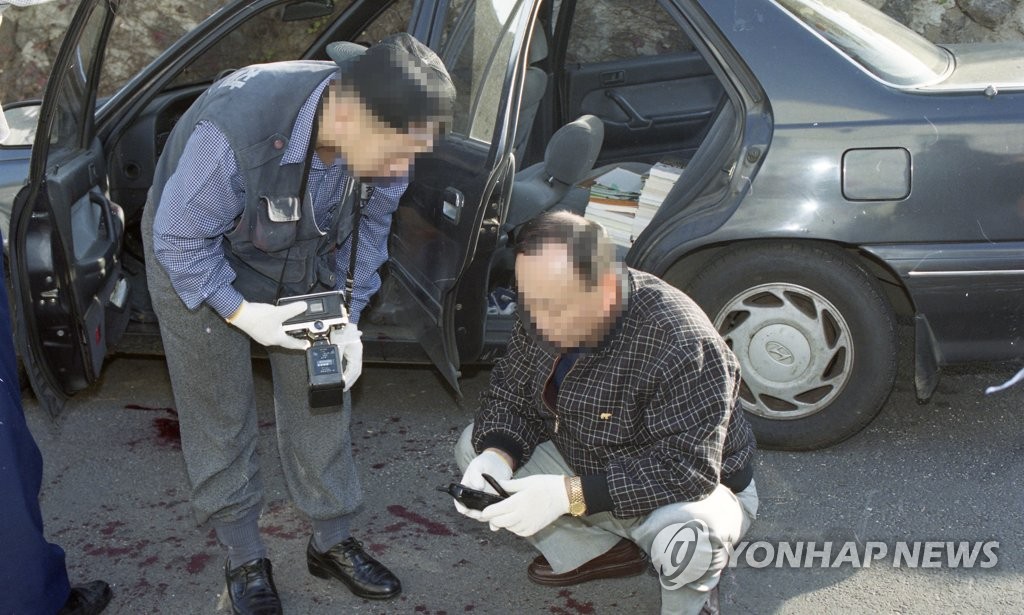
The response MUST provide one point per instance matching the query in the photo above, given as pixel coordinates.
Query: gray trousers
(570, 542)
(211, 373)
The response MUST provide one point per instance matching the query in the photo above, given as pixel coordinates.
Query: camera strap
(365, 193)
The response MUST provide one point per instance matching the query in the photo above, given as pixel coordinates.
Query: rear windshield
(881, 45)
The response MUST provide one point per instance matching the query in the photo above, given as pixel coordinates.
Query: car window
(475, 46)
(609, 30)
(278, 40)
(71, 114)
(140, 34)
(392, 21)
(881, 45)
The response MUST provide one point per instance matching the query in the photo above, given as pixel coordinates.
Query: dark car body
(841, 174)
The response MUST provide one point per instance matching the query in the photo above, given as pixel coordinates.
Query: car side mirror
(22, 118)
(307, 9)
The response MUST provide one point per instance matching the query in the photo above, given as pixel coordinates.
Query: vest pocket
(277, 221)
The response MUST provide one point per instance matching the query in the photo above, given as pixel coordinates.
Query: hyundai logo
(779, 352)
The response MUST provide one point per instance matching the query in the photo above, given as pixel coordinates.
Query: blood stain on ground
(149, 561)
(280, 532)
(168, 432)
(198, 563)
(572, 605)
(111, 527)
(433, 527)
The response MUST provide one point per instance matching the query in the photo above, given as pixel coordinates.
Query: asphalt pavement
(115, 496)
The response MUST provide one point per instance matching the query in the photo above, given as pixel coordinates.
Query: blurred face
(370, 147)
(563, 311)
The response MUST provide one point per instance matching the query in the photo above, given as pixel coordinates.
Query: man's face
(371, 148)
(564, 312)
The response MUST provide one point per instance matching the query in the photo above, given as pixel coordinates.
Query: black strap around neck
(365, 192)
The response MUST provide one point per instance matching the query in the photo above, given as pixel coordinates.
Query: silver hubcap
(794, 347)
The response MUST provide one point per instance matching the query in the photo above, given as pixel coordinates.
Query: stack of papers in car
(657, 184)
(614, 198)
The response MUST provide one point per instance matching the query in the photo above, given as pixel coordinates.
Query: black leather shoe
(251, 588)
(88, 599)
(347, 562)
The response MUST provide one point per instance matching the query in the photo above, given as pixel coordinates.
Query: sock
(241, 538)
(329, 532)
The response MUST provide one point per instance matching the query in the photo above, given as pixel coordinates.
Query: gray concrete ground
(116, 497)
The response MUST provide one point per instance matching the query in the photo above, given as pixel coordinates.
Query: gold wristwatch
(577, 505)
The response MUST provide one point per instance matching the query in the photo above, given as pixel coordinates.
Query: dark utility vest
(275, 248)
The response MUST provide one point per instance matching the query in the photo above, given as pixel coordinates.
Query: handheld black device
(474, 498)
(324, 313)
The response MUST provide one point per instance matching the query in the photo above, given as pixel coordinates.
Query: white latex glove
(350, 346)
(487, 462)
(535, 502)
(262, 322)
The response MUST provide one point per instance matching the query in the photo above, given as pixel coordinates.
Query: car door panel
(436, 235)
(650, 106)
(65, 233)
(447, 223)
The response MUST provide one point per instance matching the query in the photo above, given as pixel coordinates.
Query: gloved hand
(262, 322)
(350, 346)
(535, 502)
(487, 462)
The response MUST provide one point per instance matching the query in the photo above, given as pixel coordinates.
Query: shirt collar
(298, 144)
(625, 291)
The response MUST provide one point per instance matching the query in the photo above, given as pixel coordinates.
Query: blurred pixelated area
(568, 280)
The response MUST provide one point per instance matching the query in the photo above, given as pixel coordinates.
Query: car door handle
(636, 121)
(453, 204)
(613, 77)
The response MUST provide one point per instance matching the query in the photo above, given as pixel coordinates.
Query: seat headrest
(573, 149)
(538, 46)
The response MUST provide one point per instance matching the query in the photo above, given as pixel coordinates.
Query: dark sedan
(841, 176)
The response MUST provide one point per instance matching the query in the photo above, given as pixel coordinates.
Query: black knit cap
(400, 80)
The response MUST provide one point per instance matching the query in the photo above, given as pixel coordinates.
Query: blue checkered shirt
(206, 194)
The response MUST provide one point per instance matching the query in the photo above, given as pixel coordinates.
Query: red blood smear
(432, 527)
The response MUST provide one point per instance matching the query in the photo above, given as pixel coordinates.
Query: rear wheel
(814, 335)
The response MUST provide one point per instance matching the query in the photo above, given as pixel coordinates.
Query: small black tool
(474, 498)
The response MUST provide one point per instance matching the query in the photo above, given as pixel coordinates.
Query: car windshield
(884, 47)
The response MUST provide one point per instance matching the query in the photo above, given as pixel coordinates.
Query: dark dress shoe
(88, 599)
(625, 559)
(251, 588)
(347, 562)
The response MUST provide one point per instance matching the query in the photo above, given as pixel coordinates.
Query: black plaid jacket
(647, 419)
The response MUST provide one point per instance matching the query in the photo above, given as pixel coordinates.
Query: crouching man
(615, 409)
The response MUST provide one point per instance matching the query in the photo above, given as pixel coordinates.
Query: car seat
(534, 87)
(551, 184)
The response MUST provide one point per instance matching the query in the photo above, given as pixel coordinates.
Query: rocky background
(29, 37)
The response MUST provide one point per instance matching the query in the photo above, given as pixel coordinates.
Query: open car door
(65, 233)
(448, 224)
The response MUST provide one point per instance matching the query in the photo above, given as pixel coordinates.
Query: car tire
(815, 337)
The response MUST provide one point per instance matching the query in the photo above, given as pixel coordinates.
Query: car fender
(680, 262)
